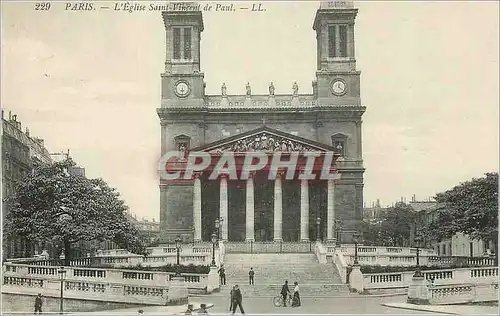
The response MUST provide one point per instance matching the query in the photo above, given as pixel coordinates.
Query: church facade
(327, 121)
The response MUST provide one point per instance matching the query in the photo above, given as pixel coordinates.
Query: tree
(52, 205)
(470, 208)
(393, 229)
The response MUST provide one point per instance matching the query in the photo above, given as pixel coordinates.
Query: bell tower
(182, 82)
(338, 81)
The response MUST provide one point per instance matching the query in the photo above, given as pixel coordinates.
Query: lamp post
(338, 229)
(61, 273)
(178, 241)
(318, 223)
(214, 240)
(418, 272)
(355, 238)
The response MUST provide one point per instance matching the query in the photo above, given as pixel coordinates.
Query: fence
(114, 285)
(269, 247)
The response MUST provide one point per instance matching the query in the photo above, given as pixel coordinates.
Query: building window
(332, 41)
(343, 41)
(182, 142)
(339, 142)
(177, 43)
(187, 43)
(339, 147)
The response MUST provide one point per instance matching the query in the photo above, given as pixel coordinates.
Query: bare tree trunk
(67, 253)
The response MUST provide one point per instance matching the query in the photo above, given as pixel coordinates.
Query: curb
(419, 309)
(303, 296)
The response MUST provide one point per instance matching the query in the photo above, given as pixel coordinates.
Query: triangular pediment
(264, 139)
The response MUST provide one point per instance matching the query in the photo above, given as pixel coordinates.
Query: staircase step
(314, 279)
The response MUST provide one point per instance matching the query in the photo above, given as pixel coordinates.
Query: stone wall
(21, 303)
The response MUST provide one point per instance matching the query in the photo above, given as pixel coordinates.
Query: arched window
(339, 142)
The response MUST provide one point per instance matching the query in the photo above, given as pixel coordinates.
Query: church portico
(269, 155)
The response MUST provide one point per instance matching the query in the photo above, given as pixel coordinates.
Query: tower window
(332, 41)
(177, 43)
(187, 43)
(339, 142)
(343, 41)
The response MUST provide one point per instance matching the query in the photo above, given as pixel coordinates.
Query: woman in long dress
(296, 295)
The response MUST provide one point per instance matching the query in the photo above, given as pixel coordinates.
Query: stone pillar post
(223, 206)
(197, 207)
(250, 214)
(278, 208)
(330, 216)
(304, 210)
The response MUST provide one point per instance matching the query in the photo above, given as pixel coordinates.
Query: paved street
(330, 305)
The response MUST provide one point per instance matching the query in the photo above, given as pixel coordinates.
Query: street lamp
(418, 272)
(178, 241)
(214, 240)
(338, 229)
(318, 222)
(61, 273)
(218, 224)
(355, 238)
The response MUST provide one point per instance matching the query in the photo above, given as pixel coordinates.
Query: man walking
(237, 299)
(284, 292)
(251, 275)
(38, 303)
(222, 275)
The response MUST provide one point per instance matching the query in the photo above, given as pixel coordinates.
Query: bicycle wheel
(278, 301)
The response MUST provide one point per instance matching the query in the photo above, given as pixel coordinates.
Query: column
(330, 215)
(304, 210)
(337, 40)
(197, 207)
(278, 208)
(250, 214)
(223, 206)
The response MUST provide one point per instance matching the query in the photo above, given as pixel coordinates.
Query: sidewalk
(147, 310)
(448, 309)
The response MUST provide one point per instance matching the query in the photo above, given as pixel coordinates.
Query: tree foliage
(392, 229)
(470, 208)
(52, 205)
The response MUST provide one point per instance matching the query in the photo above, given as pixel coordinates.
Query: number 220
(42, 6)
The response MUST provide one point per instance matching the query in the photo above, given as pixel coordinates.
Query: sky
(90, 82)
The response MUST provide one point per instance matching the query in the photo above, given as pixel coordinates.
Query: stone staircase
(271, 270)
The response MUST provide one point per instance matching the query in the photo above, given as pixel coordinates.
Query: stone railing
(320, 252)
(403, 256)
(462, 293)
(395, 280)
(348, 249)
(115, 285)
(269, 247)
(341, 265)
(200, 256)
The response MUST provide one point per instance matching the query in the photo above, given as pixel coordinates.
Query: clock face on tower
(182, 89)
(338, 87)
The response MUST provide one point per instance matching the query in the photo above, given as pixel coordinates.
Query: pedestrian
(284, 292)
(296, 295)
(231, 298)
(38, 303)
(189, 311)
(237, 300)
(251, 275)
(222, 275)
(203, 309)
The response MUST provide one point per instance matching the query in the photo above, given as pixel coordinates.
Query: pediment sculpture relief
(264, 142)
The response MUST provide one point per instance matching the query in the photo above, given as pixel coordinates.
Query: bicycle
(278, 300)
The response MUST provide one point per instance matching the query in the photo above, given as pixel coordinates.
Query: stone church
(328, 120)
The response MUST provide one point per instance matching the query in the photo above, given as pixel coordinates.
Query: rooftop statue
(249, 90)
(223, 89)
(295, 89)
(271, 89)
